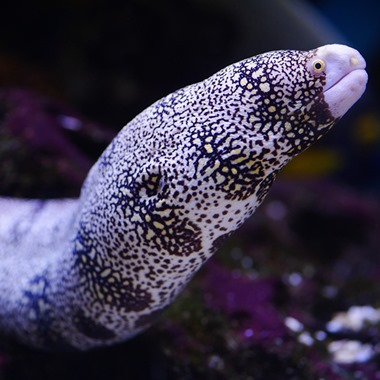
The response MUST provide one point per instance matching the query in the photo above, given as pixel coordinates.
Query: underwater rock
(46, 147)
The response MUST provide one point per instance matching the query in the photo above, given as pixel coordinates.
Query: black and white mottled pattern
(176, 181)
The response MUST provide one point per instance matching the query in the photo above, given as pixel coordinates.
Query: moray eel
(173, 184)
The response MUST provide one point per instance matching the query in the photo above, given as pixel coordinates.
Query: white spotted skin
(176, 181)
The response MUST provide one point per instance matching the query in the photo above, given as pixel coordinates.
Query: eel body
(172, 185)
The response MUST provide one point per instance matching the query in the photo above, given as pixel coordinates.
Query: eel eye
(318, 66)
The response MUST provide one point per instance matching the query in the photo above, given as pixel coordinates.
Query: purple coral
(248, 301)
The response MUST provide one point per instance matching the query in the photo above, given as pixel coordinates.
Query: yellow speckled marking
(216, 165)
(243, 82)
(159, 225)
(105, 273)
(239, 160)
(136, 217)
(264, 87)
(149, 235)
(257, 73)
(208, 148)
(220, 179)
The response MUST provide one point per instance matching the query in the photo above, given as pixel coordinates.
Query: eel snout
(346, 78)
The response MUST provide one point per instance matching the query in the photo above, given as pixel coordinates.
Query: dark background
(110, 60)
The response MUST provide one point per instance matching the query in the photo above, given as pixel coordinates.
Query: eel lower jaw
(346, 92)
